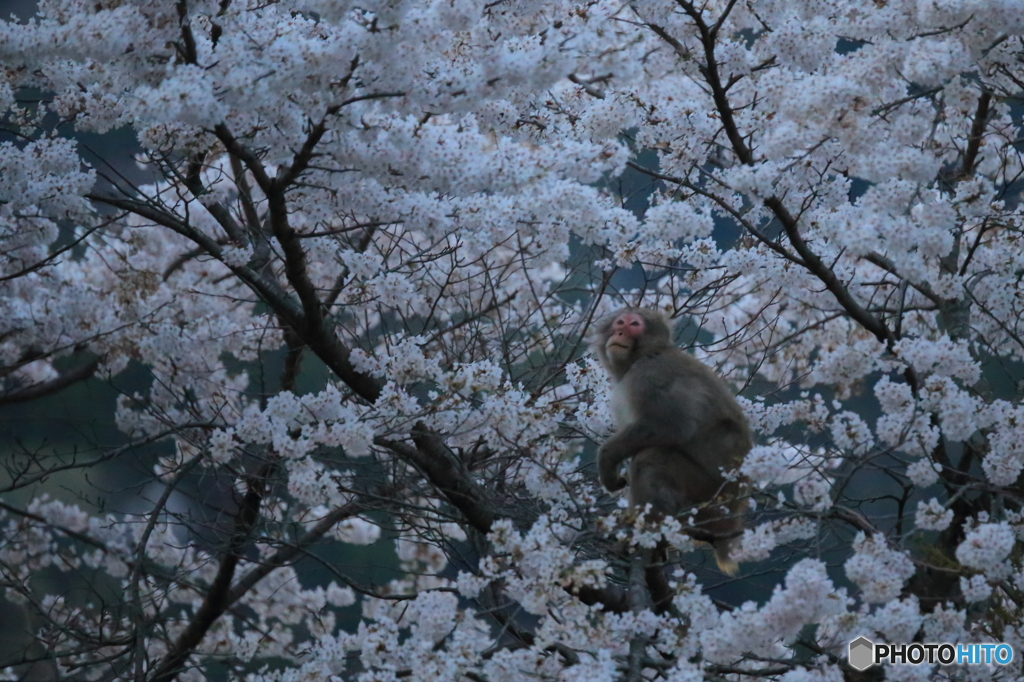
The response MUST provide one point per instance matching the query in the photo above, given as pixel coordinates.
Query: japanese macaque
(680, 425)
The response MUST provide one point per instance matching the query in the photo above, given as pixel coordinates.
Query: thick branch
(320, 340)
(46, 388)
(611, 597)
(265, 288)
(311, 324)
(221, 596)
(295, 267)
(286, 555)
(216, 601)
(827, 277)
(708, 38)
(811, 260)
(187, 48)
(639, 601)
(977, 133)
(431, 456)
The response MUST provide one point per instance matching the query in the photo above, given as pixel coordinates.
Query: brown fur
(678, 422)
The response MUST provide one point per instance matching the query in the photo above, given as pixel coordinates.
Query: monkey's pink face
(623, 335)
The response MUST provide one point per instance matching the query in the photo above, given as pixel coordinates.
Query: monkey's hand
(608, 461)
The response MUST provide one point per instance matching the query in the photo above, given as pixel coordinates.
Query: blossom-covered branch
(315, 313)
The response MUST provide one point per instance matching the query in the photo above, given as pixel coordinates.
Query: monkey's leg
(652, 481)
(722, 518)
(657, 477)
(673, 482)
(720, 447)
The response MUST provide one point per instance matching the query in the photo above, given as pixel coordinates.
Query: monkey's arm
(630, 440)
(609, 458)
(653, 407)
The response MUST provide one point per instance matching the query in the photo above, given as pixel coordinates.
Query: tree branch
(221, 595)
(72, 376)
(320, 340)
(432, 457)
(977, 133)
(811, 260)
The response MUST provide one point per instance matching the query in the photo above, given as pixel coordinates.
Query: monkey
(678, 423)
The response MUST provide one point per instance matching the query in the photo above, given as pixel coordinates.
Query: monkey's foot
(725, 563)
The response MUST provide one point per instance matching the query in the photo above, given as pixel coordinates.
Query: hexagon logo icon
(862, 653)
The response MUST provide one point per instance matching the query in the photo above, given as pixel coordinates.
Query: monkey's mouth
(616, 344)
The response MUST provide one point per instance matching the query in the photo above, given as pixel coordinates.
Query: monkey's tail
(726, 564)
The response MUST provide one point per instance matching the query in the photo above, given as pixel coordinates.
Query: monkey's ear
(663, 318)
(660, 329)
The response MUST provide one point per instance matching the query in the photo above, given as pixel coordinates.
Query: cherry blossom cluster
(350, 269)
